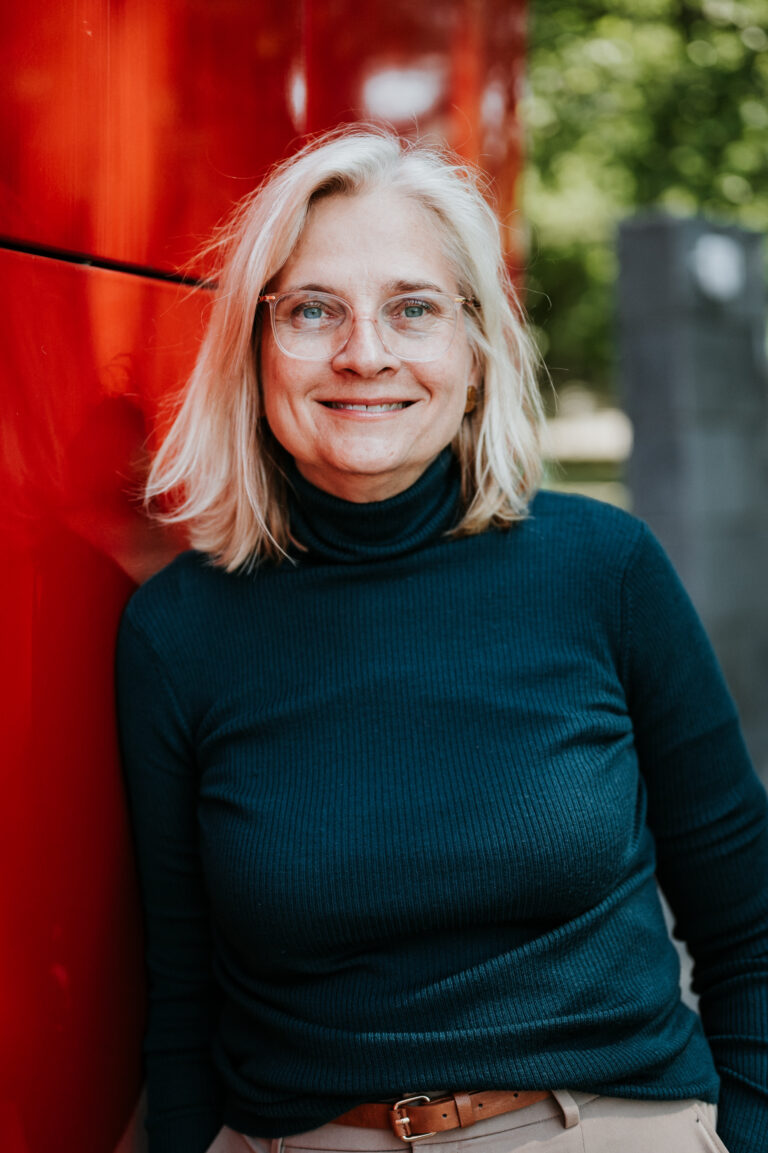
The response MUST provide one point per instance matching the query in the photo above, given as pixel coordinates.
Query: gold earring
(471, 404)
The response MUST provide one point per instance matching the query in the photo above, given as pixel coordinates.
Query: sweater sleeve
(182, 1087)
(708, 813)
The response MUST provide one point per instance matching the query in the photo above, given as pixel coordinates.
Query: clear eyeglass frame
(325, 345)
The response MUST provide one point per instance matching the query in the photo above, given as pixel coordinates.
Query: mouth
(354, 406)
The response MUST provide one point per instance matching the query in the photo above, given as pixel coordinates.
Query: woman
(406, 745)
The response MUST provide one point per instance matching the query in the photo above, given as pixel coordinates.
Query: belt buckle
(401, 1126)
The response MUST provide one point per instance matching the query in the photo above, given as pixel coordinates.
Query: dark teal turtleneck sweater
(398, 808)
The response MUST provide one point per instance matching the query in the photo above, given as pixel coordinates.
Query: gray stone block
(692, 357)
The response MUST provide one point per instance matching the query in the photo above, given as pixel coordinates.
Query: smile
(346, 406)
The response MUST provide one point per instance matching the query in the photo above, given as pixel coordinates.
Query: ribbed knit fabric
(398, 808)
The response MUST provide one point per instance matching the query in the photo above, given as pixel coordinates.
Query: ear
(474, 384)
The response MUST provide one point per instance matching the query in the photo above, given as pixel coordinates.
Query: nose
(364, 353)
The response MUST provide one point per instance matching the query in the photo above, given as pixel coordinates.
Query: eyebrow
(397, 286)
(393, 287)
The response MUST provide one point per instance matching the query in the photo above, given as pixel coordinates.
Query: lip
(369, 402)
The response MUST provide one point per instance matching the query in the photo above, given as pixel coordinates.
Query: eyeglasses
(415, 326)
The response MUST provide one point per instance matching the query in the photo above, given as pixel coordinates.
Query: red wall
(131, 128)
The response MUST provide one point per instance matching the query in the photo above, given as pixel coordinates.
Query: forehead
(365, 241)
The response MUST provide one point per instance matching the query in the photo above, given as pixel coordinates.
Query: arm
(160, 771)
(707, 811)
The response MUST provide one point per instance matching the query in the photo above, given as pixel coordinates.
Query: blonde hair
(219, 466)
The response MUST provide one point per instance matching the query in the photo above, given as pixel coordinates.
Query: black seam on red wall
(71, 257)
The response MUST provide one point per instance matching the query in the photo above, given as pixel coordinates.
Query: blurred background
(627, 146)
(629, 105)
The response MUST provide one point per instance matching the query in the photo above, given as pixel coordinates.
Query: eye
(415, 314)
(311, 311)
(308, 313)
(413, 310)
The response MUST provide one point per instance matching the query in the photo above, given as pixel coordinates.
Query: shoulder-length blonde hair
(219, 468)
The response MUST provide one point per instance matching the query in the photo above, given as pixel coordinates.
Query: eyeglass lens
(316, 326)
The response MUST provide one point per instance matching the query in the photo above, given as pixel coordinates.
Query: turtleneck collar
(341, 530)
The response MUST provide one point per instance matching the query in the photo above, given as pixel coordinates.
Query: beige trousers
(571, 1122)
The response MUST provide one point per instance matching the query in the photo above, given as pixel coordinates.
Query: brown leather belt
(414, 1118)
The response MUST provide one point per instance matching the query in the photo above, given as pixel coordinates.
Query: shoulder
(179, 599)
(601, 563)
(610, 538)
(186, 576)
(585, 531)
(569, 511)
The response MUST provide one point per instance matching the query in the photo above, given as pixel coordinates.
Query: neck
(362, 488)
(335, 529)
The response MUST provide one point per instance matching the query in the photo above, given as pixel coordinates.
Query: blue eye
(415, 315)
(310, 313)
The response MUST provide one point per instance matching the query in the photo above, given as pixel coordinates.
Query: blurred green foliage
(632, 104)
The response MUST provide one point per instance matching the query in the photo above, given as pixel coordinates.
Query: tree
(633, 104)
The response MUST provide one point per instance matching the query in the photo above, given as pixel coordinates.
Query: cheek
(273, 397)
(276, 383)
(283, 397)
(472, 364)
(463, 373)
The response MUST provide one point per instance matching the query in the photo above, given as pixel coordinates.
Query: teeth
(366, 407)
